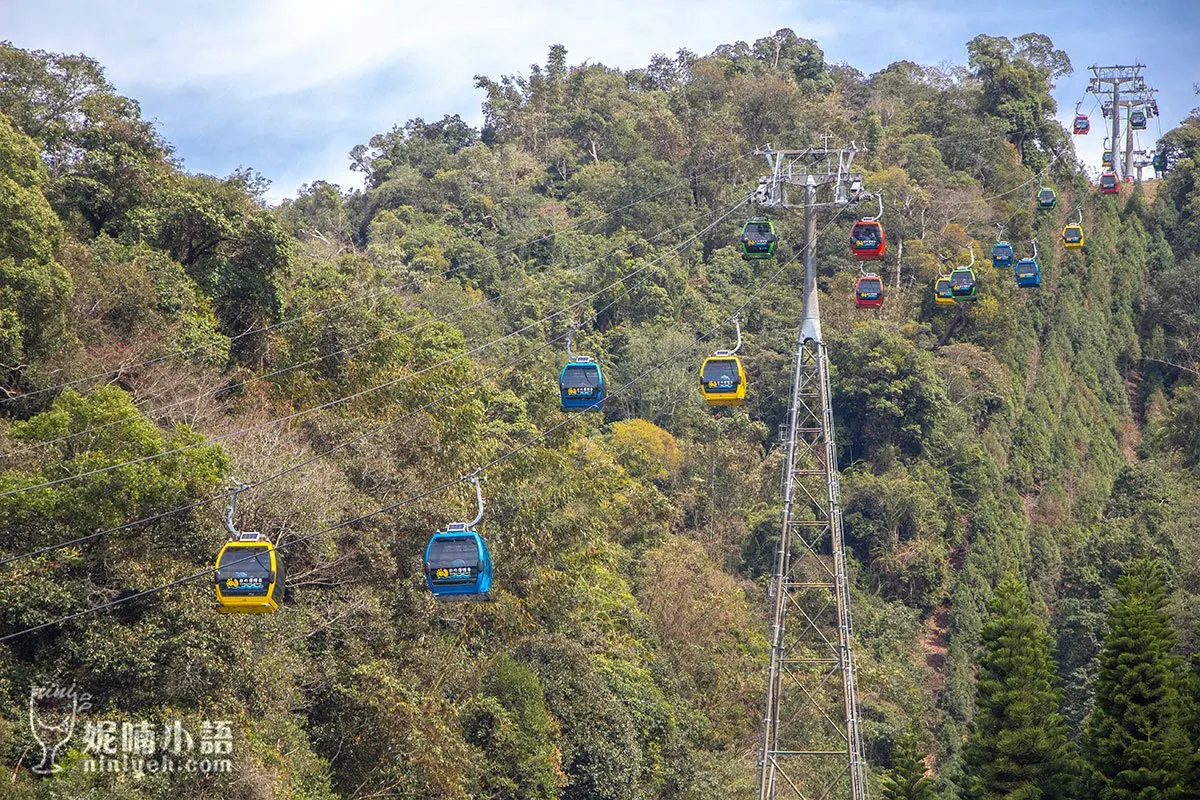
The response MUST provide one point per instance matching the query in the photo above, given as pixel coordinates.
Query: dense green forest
(1019, 477)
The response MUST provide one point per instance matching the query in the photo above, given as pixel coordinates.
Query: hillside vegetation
(1019, 476)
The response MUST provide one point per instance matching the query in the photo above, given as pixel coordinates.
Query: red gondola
(1081, 125)
(868, 291)
(1109, 183)
(867, 241)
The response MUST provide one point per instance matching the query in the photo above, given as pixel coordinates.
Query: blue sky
(287, 87)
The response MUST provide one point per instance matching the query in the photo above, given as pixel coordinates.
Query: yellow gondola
(249, 576)
(1072, 234)
(248, 573)
(723, 380)
(943, 291)
(722, 377)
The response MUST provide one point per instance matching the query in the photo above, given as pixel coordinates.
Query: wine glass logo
(52, 714)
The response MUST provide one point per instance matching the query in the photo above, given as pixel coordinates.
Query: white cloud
(289, 86)
(344, 71)
(251, 50)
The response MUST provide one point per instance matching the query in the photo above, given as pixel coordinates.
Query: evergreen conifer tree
(1018, 748)
(906, 779)
(1135, 742)
(1191, 781)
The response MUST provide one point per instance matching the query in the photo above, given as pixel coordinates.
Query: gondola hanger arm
(475, 479)
(879, 197)
(570, 338)
(237, 488)
(738, 327)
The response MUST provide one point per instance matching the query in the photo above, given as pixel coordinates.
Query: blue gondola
(581, 385)
(458, 565)
(1159, 162)
(1137, 119)
(1028, 273)
(581, 382)
(1002, 255)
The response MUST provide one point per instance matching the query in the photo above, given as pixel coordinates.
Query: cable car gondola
(1137, 119)
(758, 238)
(867, 242)
(1081, 125)
(1109, 183)
(1046, 198)
(1106, 159)
(1072, 235)
(722, 377)
(1159, 162)
(458, 565)
(1028, 274)
(943, 291)
(581, 382)
(868, 291)
(963, 285)
(1002, 255)
(248, 574)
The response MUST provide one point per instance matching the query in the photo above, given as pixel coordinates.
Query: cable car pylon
(812, 741)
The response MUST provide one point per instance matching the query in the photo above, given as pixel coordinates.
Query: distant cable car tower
(1123, 87)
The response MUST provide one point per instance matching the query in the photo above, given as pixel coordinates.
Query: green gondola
(758, 238)
(963, 285)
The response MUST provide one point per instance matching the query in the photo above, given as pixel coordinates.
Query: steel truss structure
(812, 742)
(1123, 87)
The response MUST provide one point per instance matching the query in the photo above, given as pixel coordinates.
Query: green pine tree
(1018, 749)
(906, 779)
(1192, 706)
(1135, 741)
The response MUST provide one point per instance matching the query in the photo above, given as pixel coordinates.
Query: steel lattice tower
(812, 743)
(1122, 87)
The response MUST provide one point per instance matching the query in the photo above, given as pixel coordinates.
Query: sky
(288, 87)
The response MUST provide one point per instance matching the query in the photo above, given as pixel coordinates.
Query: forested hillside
(1019, 475)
